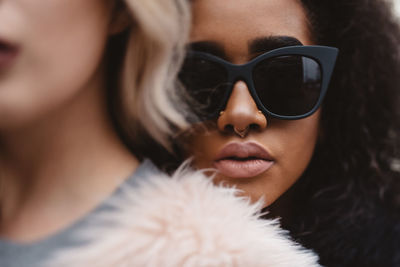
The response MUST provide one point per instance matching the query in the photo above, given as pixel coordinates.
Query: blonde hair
(155, 48)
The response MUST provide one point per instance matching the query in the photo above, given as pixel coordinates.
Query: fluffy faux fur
(184, 220)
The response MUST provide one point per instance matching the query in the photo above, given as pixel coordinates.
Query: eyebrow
(264, 44)
(256, 46)
(208, 47)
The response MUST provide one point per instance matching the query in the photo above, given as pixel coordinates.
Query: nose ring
(243, 132)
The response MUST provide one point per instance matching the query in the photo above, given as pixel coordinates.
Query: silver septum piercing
(242, 133)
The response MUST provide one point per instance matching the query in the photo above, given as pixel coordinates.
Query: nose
(241, 113)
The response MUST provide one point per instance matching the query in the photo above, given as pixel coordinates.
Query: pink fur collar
(184, 220)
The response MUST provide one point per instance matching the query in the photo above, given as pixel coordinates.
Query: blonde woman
(77, 80)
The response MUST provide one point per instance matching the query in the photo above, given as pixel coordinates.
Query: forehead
(233, 24)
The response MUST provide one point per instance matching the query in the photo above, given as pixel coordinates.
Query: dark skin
(238, 32)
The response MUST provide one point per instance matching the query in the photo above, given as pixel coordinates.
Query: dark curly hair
(348, 201)
(346, 206)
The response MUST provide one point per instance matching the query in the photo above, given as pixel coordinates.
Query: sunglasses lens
(205, 82)
(288, 85)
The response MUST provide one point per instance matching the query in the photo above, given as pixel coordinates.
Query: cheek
(201, 147)
(62, 44)
(298, 141)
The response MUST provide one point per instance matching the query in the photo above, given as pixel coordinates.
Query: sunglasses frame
(325, 56)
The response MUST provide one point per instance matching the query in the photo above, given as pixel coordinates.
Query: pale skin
(232, 27)
(60, 156)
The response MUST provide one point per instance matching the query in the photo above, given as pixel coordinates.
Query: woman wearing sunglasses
(84, 87)
(320, 149)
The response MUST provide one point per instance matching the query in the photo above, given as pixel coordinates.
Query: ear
(121, 18)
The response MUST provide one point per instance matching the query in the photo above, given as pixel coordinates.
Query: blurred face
(261, 155)
(49, 51)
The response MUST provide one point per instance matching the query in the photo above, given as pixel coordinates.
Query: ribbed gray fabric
(33, 254)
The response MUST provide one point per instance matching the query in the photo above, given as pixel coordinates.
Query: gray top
(24, 255)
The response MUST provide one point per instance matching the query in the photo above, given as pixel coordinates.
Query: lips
(243, 160)
(8, 53)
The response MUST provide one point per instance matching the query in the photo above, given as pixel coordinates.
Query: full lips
(242, 160)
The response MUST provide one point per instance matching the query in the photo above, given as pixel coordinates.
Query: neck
(60, 167)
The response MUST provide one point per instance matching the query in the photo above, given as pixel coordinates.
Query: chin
(247, 187)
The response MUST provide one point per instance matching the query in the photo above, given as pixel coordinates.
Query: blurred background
(397, 7)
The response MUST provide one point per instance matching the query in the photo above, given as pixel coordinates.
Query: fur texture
(184, 221)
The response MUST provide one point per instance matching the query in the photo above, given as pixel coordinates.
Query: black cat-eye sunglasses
(286, 83)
